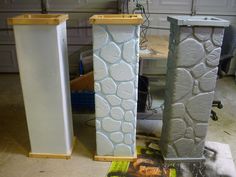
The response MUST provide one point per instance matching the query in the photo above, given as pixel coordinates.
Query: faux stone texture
(197, 139)
(194, 54)
(171, 151)
(128, 104)
(113, 100)
(129, 51)
(110, 125)
(208, 81)
(127, 127)
(199, 106)
(108, 86)
(213, 57)
(201, 129)
(208, 46)
(137, 33)
(202, 33)
(116, 53)
(189, 133)
(218, 36)
(178, 110)
(102, 107)
(196, 89)
(198, 149)
(117, 113)
(97, 87)
(98, 124)
(129, 116)
(198, 70)
(136, 69)
(100, 69)
(137, 49)
(190, 52)
(100, 38)
(117, 137)
(121, 33)
(185, 32)
(128, 139)
(104, 145)
(177, 129)
(122, 150)
(183, 84)
(121, 72)
(183, 145)
(125, 90)
(188, 120)
(111, 53)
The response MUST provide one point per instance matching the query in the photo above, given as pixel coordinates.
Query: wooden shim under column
(115, 158)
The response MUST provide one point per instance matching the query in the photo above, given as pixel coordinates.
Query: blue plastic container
(82, 100)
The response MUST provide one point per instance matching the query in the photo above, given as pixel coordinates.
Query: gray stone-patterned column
(194, 52)
(116, 53)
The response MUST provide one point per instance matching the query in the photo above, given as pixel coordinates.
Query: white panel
(170, 6)
(218, 7)
(82, 5)
(20, 5)
(8, 62)
(43, 63)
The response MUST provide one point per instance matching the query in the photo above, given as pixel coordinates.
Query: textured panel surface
(115, 71)
(191, 77)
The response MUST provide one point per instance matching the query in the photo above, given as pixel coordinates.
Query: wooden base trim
(53, 156)
(48, 155)
(115, 158)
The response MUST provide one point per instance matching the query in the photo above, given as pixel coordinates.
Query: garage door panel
(170, 6)
(20, 5)
(218, 7)
(82, 5)
(8, 61)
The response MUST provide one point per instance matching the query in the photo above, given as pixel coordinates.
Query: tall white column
(41, 46)
(194, 53)
(116, 65)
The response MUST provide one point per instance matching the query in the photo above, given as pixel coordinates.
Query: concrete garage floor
(14, 141)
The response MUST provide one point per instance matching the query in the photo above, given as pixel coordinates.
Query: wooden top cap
(117, 19)
(38, 19)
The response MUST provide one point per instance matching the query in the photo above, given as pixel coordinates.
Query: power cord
(146, 23)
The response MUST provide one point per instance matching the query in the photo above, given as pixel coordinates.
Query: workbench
(153, 59)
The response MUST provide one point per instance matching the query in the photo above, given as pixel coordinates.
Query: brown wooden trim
(53, 156)
(115, 158)
(116, 19)
(38, 19)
